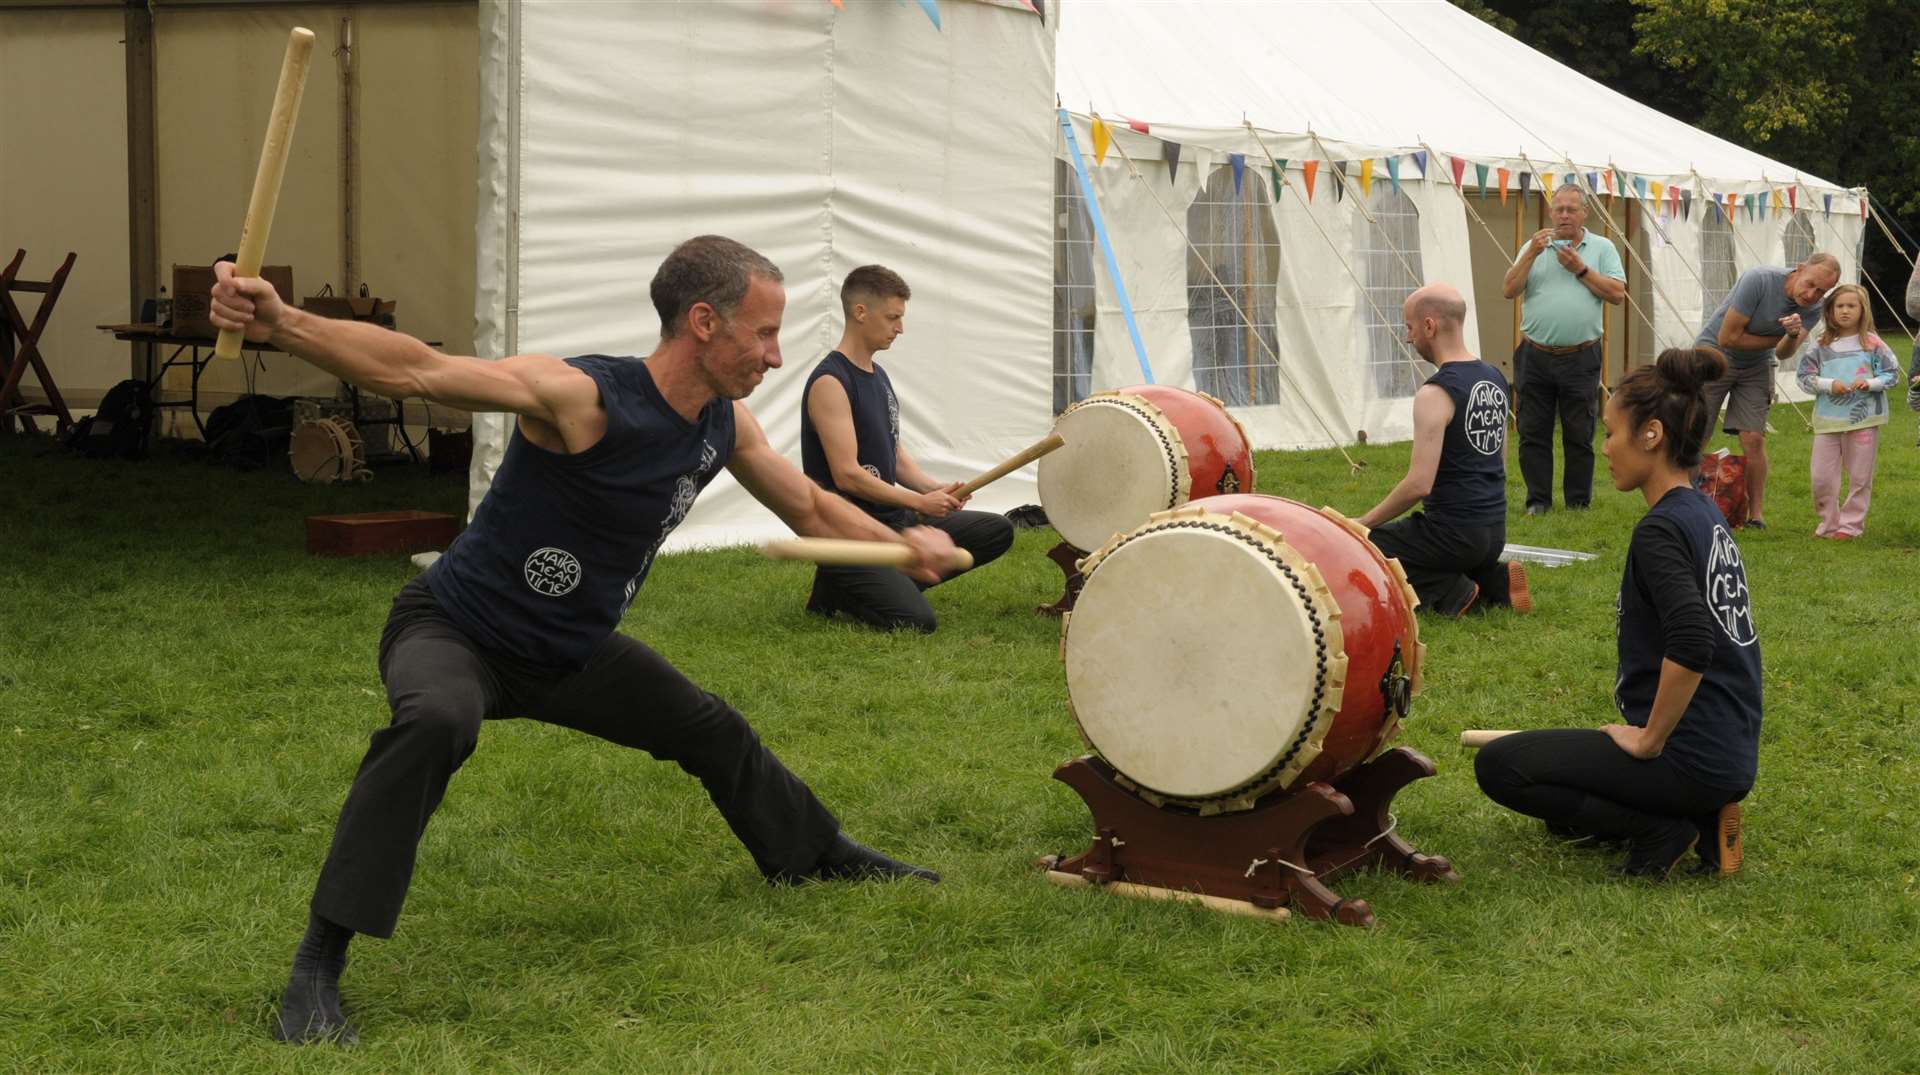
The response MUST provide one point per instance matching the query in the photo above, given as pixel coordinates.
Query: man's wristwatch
(1582, 274)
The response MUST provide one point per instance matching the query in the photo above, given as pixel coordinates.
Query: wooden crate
(372, 533)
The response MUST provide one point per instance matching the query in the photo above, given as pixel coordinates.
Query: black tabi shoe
(846, 859)
(1655, 856)
(310, 1008)
(1755, 524)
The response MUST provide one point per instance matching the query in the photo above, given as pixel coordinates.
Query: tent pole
(1246, 290)
(143, 246)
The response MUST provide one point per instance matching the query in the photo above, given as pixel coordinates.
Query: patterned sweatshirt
(1825, 370)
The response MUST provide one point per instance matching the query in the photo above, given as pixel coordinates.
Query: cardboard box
(192, 284)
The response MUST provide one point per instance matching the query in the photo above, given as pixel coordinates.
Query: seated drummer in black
(518, 618)
(850, 444)
(1451, 550)
(1688, 684)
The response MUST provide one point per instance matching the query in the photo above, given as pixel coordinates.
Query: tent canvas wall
(409, 123)
(826, 139)
(1398, 91)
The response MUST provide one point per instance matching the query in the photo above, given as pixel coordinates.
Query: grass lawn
(184, 696)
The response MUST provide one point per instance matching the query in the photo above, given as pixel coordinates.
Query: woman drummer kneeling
(1688, 684)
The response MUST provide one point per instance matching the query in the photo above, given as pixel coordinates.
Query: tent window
(1390, 264)
(1073, 290)
(1716, 259)
(1798, 238)
(1233, 234)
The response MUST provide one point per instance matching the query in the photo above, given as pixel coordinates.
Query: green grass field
(184, 696)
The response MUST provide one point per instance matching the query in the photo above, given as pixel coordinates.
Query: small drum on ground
(1237, 646)
(328, 449)
(1135, 451)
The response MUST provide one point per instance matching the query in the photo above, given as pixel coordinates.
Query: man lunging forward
(518, 618)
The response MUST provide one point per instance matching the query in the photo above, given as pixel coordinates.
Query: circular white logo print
(1727, 589)
(552, 572)
(871, 469)
(1486, 420)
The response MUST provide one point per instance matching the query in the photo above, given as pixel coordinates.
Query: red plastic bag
(1723, 476)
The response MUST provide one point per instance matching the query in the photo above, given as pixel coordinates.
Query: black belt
(1545, 349)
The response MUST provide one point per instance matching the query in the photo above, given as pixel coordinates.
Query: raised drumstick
(1479, 737)
(273, 166)
(853, 553)
(1027, 455)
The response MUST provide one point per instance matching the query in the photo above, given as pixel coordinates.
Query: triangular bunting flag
(1420, 162)
(1102, 140)
(1593, 182)
(1863, 209)
(1659, 192)
(1640, 188)
(1239, 162)
(1793, 197)
(932, 8)
(1504, 176)
(1828, 208)
(1170, 152)
(1686, 204)
(1339, 181)
(1366, 177)
(841, 4)
(1610, 180)
(1776, 199)
(1278, 167)
(1312, 168)
(1139, 125)
(1393, 173)
(1526, 179)
(1459, 171)
(1480, 173)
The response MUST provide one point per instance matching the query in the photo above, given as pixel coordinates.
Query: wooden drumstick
(1027, 455)
(1479, 737)
(273, 165)
(854, 553)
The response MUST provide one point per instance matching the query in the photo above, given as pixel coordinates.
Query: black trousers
(1444, 562)
(884, 598)
(1567, 386)
(1579, 781)
(441, 686)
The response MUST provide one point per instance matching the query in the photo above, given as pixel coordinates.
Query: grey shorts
(1747, 392)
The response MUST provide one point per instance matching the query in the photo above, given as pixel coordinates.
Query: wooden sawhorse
(20, 348)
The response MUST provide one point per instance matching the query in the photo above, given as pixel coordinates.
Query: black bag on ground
(251, 433)
(119, 429)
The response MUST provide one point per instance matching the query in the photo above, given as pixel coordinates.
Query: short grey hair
(706, 268)
(1821, 260)
(1570, 185)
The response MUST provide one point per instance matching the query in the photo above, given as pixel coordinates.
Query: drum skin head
(1122, 462)
(1202, 656)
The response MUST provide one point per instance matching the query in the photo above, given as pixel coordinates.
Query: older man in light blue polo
(1557, 363)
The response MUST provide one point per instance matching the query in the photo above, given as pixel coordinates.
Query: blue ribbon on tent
(932, 8)
(1106, 245)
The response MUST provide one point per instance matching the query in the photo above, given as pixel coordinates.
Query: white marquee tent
(1181, 97)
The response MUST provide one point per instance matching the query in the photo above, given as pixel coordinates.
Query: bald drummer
(850, 444)
(517, 619)
(1458, 473)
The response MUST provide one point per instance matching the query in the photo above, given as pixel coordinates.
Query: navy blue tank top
(561, 543)
(876, 430)
(1718, 738)
(1470, 485)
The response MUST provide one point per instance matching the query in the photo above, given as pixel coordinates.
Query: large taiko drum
(1135, 451)
(1240, 645)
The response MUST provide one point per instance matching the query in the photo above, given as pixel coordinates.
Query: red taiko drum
(1135, 451)
(1240, 645)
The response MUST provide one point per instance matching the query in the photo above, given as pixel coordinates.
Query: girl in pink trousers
(1848, 370)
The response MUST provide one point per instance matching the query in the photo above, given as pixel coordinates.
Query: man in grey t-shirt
(1764, 318)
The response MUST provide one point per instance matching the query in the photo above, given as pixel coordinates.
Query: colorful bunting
(841, 4)
(1776, 198)
(1659, 192)
(1828, 209)
(1339, 183)
(1311, 168)
(1793, 197)
(1593, 182)
(1610, 180)
(1526, 178)
(1686, 204)
(1278, 167)
(1239, 162)
(1366, 177)
(1504, 176)
(1480, 172)
(1640, 188)
(1102, 139)
(1420, 162)
(1460, 171)
(932, 8)
(1170, 152)
(1139, 125)
(1393, 173)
